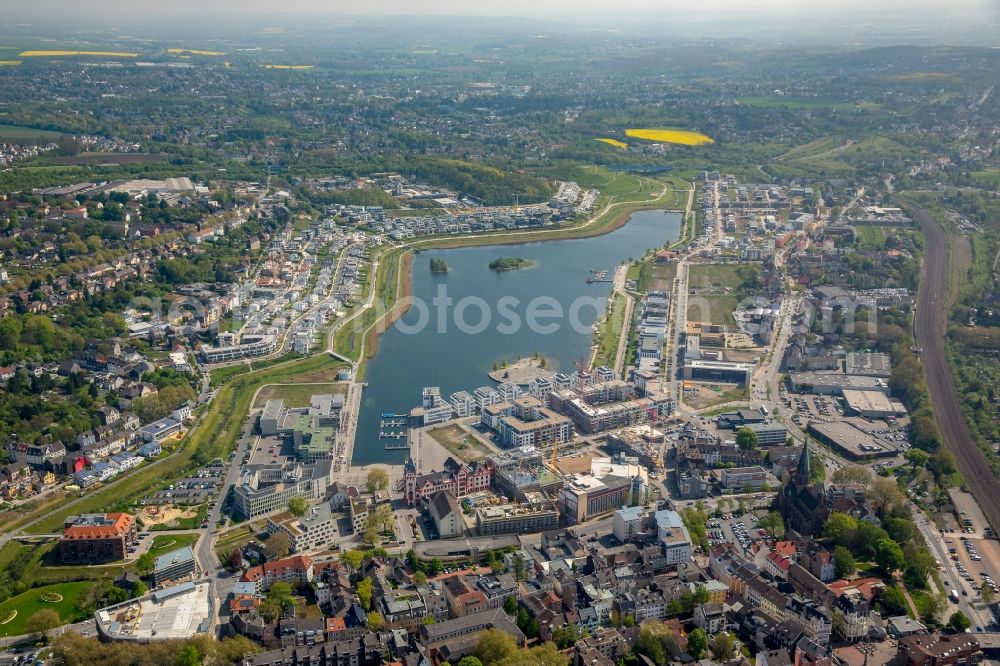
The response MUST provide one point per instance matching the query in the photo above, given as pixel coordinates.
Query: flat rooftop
(851, 439)
(181, 615)
(868, 401)
(183, 554)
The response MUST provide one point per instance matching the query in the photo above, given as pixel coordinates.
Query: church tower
(804, 470)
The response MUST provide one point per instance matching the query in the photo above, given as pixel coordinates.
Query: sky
(541, 8)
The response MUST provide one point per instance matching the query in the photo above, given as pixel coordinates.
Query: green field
(18, 134)
(414, 212)
(988, 178)
(871, 236)
(796, 103)
(30, 602)
(296, 395)
(717, 307)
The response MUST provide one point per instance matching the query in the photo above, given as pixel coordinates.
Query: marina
(598, 276)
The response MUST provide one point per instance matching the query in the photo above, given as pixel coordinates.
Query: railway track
(930, 327)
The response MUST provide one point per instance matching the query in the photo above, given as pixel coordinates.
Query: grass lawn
(8, 553)
(164, 543)
(30, 602)
(237, 538)
(610, 332)
(460, 444)
(296, 395)
(414, 212)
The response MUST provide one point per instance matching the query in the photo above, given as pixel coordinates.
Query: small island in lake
(510, 263)
(439, 266)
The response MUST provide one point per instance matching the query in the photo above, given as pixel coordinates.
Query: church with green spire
(801, 501)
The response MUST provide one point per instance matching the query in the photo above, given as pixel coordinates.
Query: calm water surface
(411, 355)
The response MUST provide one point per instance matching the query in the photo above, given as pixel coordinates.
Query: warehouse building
(834, 383)
(869, 364)
(850, 441)
(872, 404)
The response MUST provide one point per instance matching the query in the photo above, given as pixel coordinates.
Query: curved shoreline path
(930, 323)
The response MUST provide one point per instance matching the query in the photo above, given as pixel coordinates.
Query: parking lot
(269, 451)
(193, 490)
(740, 531)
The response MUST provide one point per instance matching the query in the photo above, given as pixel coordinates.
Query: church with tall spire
(801, 501)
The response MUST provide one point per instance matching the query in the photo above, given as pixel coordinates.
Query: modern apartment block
(613, 404)
(97, 537)
(435, 408)
(312, 530)
(533, 424)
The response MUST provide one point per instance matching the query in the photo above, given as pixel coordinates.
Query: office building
(585, 496)
(673, 536)
(263, 489)
(723, 372)
(174, 565)
(535, 514)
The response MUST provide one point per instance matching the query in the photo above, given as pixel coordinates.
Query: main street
(677, 319)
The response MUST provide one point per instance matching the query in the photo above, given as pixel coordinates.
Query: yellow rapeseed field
(196, 52)
(9, 63)
(614, 142)
(59, 54)
(287, 66)
(682, 137)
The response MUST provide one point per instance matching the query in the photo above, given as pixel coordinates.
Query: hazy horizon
(112, 10)
(852, 23)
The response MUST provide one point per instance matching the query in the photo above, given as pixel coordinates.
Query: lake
(465, 320)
